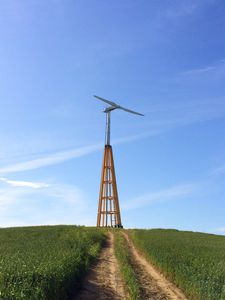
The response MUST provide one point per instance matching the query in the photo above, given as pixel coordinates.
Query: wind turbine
(108, 206)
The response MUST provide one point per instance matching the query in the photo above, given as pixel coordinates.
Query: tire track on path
(153, 284)
(103, 282)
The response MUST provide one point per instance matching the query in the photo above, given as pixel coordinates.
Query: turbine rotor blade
(106, 101)
(113, 104)
(130, 111)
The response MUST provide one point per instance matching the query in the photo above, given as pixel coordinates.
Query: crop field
(50, 262)
(195, 262)
(45, 262)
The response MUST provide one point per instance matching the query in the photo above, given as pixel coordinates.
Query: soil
(104, 281)
(153, 284)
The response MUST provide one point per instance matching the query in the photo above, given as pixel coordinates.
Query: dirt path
(103, 282)
(153, 284)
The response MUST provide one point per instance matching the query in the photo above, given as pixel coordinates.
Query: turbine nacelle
(109, 109)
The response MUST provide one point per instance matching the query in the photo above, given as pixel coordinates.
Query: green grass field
(48, 262)
(195, 262)
(45, 262)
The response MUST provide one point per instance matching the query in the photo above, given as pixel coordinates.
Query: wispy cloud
(177, 9)
(169, 194)
(62, 156)
(200, 70)
(163, 119)
(57, 204)
(17, 183)
(181, 9)
(176, 114)
(48, 160)
(219, 170)
(218, 67)
(220, 229)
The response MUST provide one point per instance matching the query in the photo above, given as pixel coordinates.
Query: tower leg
(108, 206)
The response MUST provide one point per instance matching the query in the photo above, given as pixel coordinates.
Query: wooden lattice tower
(108, 206)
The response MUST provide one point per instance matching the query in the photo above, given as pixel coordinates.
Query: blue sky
(163, 58)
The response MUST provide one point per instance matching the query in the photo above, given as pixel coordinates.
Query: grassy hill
(48, 262)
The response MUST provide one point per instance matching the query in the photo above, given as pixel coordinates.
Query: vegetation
(124, 260)
(193, 261)
(48, 262)
(45, 262)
